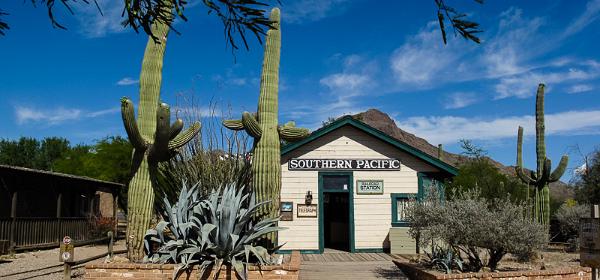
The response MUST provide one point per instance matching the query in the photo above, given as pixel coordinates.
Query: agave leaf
(239, 268)
(160, 229)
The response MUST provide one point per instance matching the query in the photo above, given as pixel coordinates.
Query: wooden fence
(30, 233)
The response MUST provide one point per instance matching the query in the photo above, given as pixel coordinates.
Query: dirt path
(47, 258)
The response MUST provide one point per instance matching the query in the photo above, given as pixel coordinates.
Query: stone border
(414, 271)
(134, 271)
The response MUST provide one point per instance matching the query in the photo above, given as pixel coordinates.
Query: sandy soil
(45, 258)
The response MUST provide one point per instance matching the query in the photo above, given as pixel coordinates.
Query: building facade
(345, 188)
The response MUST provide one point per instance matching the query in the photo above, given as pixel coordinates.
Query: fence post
(13, 222)
(67, 271)
(110, 244)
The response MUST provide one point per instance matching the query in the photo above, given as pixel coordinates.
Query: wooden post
(13, 222)
(59, 232)
(67, 271)
(110, 244)
(115, 210)
(595, 214)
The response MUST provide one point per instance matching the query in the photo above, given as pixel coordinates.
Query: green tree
(587, 180)
(51, 149)
(479, 172)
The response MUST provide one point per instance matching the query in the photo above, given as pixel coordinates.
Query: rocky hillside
(383, 122)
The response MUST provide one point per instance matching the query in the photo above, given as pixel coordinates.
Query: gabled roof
(30, 171)
(348, 120)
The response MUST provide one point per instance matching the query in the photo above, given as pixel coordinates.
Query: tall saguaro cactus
(153, 139)
(263, 127)
(542, 176)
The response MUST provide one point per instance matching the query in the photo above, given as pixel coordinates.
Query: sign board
(307, 211)
(67, 250)
(286, 209)
(589, 242)
(369, 187)
(344, 164)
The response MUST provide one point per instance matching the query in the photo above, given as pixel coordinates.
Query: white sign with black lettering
(344, 164)
(369, 187)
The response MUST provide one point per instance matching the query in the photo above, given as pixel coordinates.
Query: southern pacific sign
(343, 164)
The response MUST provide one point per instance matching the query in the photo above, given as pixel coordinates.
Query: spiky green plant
(542, 176)
(263, 127)
(153, 139)
(218, 230)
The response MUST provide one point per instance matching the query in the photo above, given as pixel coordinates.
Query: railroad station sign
(589, 244)
(369, 187)
(344, 164)
(307, 211)
(67, 250)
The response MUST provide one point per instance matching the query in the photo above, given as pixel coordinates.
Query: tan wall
(372, 213)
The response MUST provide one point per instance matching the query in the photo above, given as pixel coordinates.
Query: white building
(359, 179)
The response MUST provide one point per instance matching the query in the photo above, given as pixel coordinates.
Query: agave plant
(210, 232)
(444, 258)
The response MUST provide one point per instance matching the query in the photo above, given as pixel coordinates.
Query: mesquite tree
(263, 127)
(542, 176)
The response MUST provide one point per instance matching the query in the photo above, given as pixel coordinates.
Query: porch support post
(13, 222)
(115, 195)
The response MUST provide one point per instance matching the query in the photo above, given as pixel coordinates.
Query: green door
(336, 211)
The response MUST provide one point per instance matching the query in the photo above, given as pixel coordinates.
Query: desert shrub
(568, 218)
(482, 230)
(223, 228)
(568, 215)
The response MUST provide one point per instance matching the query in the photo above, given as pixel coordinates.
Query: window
(335, 182)
(401, 201)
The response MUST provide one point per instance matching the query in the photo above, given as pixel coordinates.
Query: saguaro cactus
(542, 176)
(153, 140)
(263, 127)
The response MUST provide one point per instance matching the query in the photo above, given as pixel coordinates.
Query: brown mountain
(383, 122)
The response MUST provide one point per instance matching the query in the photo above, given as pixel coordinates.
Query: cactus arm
(127, 113)
(176, 127)
(163, 133)
(524, 177)
(185, 137)
(560, 169)
(233, 124)
(292, 134)
(519, 168)
(251, 125)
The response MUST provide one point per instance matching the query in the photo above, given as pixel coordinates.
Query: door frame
(321, 218)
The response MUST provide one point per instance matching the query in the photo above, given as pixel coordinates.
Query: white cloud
(96, 25)
(460, 100)
(589, 15)
(347, 82)
(303, 11)
(27, 115)
(524, 85)
(127, 81)
(580, 88)
(424, 59)
(450, 129)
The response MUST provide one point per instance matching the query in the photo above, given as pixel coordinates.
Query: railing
(43, 232)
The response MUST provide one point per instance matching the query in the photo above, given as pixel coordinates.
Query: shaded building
(38, 208)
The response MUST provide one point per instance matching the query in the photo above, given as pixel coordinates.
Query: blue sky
(338, 57)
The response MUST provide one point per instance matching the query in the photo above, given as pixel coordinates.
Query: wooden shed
(345, 187)
(38, 208)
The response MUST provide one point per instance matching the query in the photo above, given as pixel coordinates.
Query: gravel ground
(40, 259)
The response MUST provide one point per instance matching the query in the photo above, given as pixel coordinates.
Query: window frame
(394, 198)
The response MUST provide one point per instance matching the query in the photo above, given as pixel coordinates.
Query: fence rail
(44, 232)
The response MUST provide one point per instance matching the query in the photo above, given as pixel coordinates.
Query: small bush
(568, 218)
(484, 231)
(101, 226)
